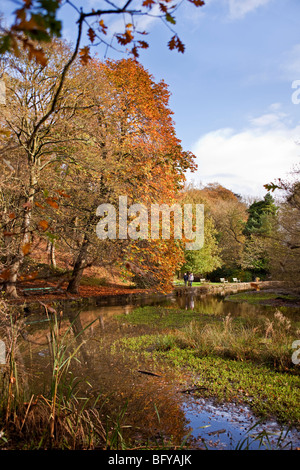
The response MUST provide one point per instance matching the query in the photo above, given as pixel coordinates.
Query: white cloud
(245, 160)
(269, 119)
(239, 8)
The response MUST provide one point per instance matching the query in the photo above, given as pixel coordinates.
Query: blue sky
(231, 91)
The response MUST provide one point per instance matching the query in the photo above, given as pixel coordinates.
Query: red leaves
(63, 194)
(148, 3)
(143, 44)
(175, 43)
(128, 37)
(92, 35)
(125, 38)
(197, 3)
(35, 53)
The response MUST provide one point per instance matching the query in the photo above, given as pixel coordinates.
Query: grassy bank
(241, 359)
(265, 298)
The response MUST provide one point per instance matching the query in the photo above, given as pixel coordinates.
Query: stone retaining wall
(228, 287)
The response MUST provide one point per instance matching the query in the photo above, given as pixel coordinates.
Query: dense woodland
(110, 132)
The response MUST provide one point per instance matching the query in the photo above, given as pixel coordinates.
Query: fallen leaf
(26, 248)
(52, 202)
(43, 224)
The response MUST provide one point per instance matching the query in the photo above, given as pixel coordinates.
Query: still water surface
(154, 406)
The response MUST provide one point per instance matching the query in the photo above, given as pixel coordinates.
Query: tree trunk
(51, 254)
(79, 266)
(10, 285)
(16, 264)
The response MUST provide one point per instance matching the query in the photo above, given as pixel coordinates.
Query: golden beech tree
(151, 152)
(136, 153)
(109, 136)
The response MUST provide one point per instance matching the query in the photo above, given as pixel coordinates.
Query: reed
(60, 419)
(11, 383)
(268, 342)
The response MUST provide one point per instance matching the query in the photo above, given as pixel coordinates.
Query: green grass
(163, 317)
(255, 298)
(267, 392)
(232, 359)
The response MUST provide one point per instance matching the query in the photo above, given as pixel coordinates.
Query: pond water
(151, 401)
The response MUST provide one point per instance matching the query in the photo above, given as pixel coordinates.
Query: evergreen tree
(261, 213)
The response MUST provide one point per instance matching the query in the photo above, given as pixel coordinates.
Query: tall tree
(206, 259)
(261, 214)
(137, 155)
(284, 250)
(229, 214)
(258, 230)
(35, 141)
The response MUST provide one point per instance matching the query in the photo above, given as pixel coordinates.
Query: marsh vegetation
(112, 377)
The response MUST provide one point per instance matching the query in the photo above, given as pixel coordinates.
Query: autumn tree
(229, 214)
(34, 140)
(135, 154)
(35, 24)
(284, 248)
(225, 218)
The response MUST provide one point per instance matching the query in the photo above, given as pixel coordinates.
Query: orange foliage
(155, 162)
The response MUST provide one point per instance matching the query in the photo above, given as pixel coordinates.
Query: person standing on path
(191, 278)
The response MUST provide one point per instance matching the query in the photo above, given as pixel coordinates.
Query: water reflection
(189, 302)
(149, 400)
(218, 305)
(154, 408)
